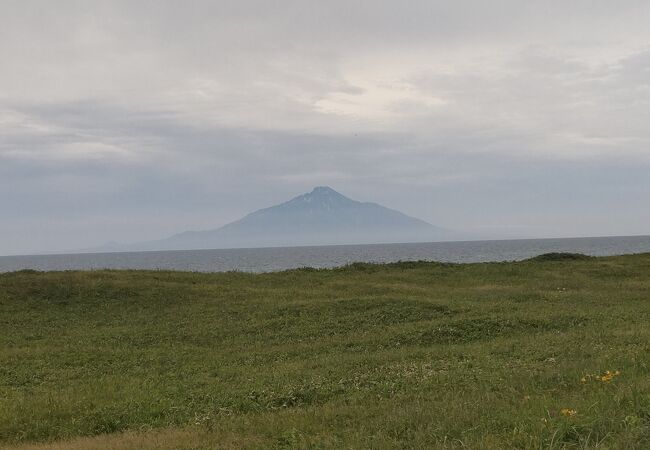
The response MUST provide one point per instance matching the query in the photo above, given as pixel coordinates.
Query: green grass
(406, 355)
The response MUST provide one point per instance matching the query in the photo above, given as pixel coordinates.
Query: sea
(282, 258)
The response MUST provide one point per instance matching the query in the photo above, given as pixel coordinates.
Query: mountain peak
(319, 197)
(320, 190)
(325, 192)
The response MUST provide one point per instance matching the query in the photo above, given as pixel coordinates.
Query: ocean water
(281, 258)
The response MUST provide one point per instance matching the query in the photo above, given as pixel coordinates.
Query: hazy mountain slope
(322, 216)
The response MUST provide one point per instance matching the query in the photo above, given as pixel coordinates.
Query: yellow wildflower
(608, 376)
(568, 412)
(605, 377)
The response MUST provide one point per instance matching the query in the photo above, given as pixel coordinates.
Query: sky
(134, 120)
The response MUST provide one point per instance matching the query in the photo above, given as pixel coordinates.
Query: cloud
(174, 115)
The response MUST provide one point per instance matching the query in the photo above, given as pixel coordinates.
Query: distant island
(320, 217)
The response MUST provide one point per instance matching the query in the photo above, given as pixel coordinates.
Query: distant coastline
(269, 259)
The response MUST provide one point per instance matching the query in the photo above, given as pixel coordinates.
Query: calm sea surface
(272, 259)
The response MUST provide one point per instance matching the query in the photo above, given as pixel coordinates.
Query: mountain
(320, 217)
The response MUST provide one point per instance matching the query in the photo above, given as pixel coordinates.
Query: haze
(131, 121)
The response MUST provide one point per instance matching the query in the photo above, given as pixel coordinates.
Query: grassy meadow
(547, 353)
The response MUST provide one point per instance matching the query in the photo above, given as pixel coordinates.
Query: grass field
(407, 355)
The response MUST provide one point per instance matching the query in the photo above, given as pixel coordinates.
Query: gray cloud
(131, 120)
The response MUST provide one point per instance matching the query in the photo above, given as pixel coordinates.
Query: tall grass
(406, 355)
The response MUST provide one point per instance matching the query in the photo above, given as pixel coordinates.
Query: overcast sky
(133, 120)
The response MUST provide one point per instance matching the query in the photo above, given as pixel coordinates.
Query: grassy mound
(553, 257)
